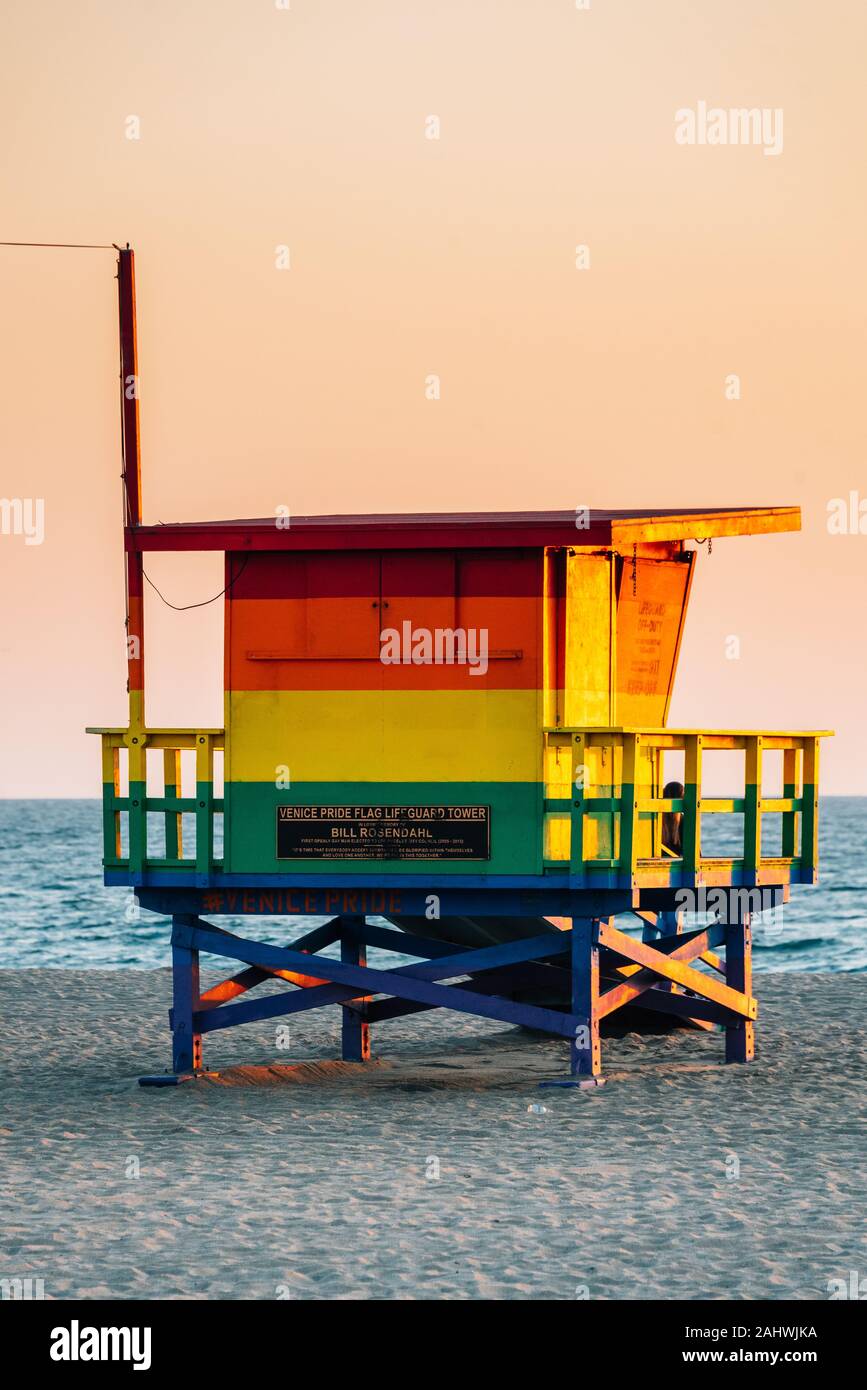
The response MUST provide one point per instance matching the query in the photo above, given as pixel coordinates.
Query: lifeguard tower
(454, 724)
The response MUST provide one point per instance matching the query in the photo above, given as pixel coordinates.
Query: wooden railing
(604, 808)
(137, 805)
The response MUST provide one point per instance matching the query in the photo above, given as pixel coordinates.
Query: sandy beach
(427, 1174)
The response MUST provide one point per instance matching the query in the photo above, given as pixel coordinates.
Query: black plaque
(384, 832)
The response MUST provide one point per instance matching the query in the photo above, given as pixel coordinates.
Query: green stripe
(516, 824)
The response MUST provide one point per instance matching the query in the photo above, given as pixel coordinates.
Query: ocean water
(55, 911)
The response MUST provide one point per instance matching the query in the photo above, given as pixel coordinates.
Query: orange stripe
(320, 644)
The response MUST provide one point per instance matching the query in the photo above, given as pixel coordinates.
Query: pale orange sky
(306, 127)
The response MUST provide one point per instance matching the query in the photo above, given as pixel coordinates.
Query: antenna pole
(131, 451)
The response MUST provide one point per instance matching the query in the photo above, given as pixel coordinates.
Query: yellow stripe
(384, 736)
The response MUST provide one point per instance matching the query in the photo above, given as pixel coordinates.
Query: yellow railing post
(111, 836)
(753, 806)
(138, 848)
(810, 804)
(204, 808)
(174, 819)
(577, 778)
(791, 788)
(691, 832)
(628, 804)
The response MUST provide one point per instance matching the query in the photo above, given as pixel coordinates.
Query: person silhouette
(668, 923)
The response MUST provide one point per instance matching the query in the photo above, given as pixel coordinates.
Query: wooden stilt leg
(186, 1044)
(585, 1051)
(740, 1036)
(355, 1030)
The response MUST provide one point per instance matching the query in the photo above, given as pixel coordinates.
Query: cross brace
(570, 964)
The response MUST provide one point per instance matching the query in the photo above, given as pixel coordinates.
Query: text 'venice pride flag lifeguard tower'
(456, 723)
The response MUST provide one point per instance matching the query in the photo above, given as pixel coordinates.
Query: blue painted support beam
(426, 948)
(186, 1038)
(458, 960)
(413, 982)
(325, 935)
(247, 979)
(233, 986)
(313, 940)
(503, 982)
(355, 1028)
(585, 1051)
(740, 1036)
(684, 1006)
(406, 943)
(294, 895)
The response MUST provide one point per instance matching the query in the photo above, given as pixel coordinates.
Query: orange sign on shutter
(648, 633)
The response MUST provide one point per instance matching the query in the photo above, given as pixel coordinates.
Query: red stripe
(402, 574)
(241, 537)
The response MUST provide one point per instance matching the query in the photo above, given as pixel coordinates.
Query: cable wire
(184, 607)
(67, 245)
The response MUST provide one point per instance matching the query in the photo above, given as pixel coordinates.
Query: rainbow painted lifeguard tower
(457, 724)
